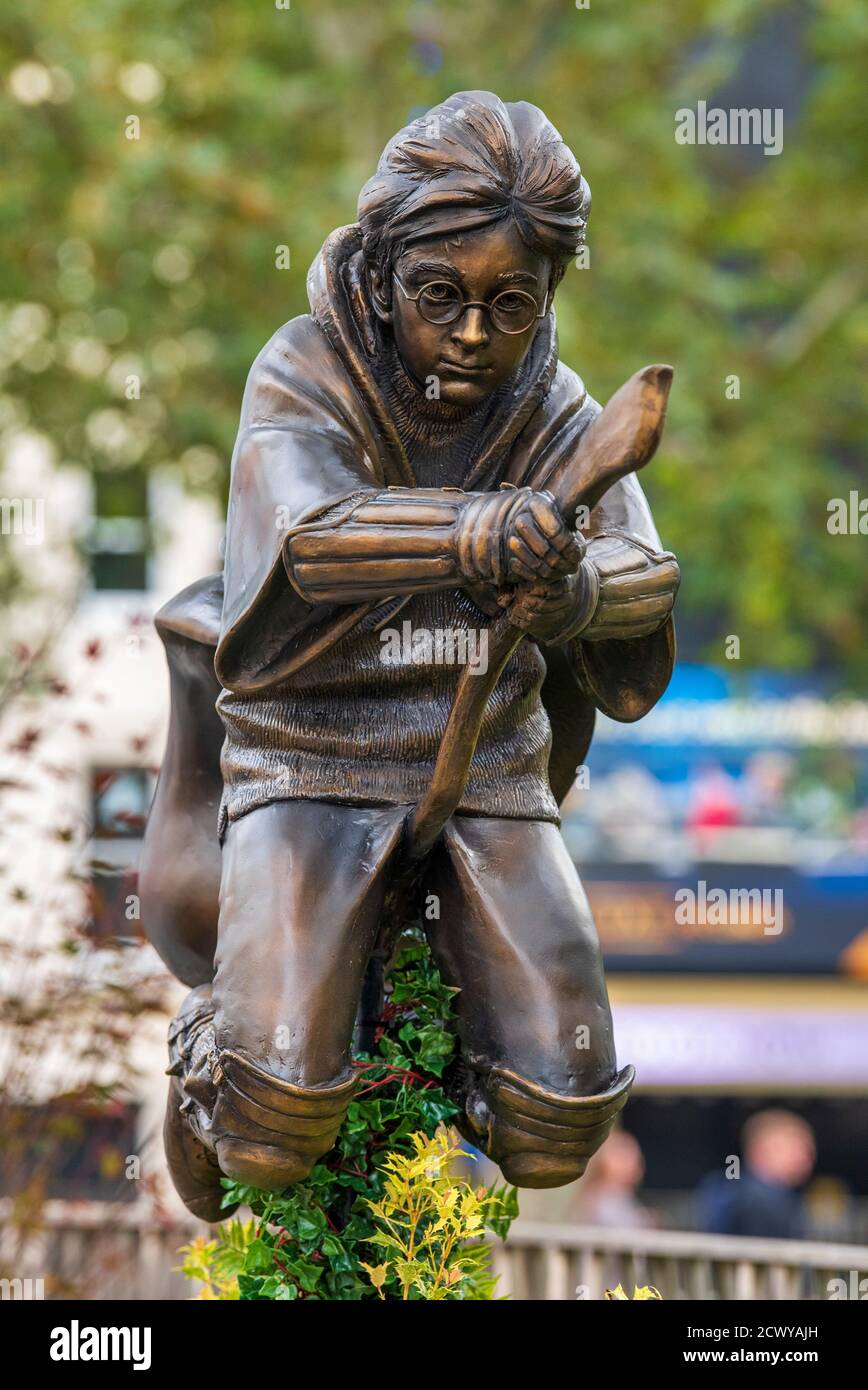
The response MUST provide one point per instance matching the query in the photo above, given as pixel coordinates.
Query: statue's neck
(420, 418)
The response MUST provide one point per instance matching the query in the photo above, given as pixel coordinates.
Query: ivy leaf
(260, 1256)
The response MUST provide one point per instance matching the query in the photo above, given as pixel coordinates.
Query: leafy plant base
(383, 1215)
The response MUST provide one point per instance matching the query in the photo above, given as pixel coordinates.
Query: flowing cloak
(314, 431)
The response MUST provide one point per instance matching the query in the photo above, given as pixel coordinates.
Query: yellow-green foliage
(217, 1263)
(429, 1222)
(646, 1291)
(428, 1225)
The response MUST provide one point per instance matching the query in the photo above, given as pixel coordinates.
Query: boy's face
(469, 357)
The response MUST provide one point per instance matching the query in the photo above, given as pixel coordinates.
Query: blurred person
(713, 800)
(826, 794)
(768, 775)
(829, 1204)
(607, 1196)
(779, 1152)
(630, 796)
(859, 830)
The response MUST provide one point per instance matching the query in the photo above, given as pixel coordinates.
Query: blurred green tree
(171, 169)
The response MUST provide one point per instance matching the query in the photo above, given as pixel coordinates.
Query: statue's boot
(229, 1117)
(194, 1168)
(269, 1132)
(539, 1137)
(190, 1154)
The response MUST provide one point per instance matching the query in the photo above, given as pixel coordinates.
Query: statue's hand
(539, 544)
(556, 611)
(514, 536)
(637, 587)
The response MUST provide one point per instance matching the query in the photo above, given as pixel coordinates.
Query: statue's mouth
(464, 368)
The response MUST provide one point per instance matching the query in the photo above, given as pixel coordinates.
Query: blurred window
(70, 1149)
(119, 541)
(120, 798)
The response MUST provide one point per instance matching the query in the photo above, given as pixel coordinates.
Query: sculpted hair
(470, 162)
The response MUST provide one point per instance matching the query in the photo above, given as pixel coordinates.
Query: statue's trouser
(267, 1086)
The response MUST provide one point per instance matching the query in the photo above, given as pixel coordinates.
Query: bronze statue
(416, 476)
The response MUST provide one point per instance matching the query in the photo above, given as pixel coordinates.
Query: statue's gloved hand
(515, 535)
(637, 587)
(555, 612)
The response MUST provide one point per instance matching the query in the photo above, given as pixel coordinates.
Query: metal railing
(543, 1261)
(99, 1250)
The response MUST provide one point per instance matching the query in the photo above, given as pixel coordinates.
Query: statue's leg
(515, 934)
(301, 892)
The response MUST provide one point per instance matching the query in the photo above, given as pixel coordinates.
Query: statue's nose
(470, 330)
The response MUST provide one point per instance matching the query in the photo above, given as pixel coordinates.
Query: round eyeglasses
(511, 311)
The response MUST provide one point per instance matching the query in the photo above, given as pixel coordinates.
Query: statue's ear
(381, 299)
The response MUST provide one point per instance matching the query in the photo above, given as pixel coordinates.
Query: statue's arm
(638, 579)
(625, 587)
(623, 658)
(377, 544)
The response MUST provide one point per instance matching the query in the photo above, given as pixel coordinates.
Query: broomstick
(622, 439)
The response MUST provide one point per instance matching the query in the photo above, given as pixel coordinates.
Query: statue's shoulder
(563, 413)
(298, 346)
(299, 376)
(568, 394)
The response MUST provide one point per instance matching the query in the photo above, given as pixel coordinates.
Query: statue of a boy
(389, 477)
